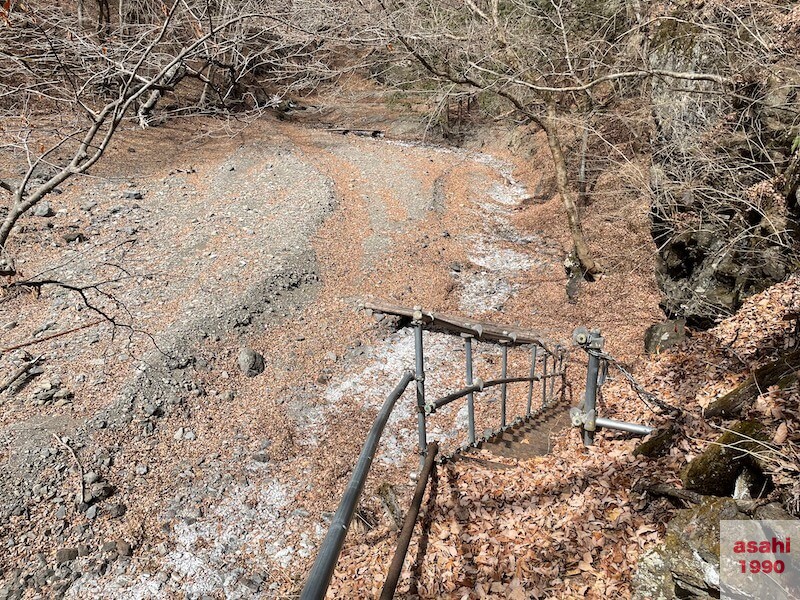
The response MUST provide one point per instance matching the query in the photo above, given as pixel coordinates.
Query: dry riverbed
(198, 480)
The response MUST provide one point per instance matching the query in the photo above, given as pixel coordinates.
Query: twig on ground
(19, 373)
(50, 337)
(64, 443)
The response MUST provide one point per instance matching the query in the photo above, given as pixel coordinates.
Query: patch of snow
(484, 292)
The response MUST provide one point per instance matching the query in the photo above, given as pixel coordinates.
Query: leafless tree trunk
(551, 124)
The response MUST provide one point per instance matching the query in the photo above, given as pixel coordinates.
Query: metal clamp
(585, 420)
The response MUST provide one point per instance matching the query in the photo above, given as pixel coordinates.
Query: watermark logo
(760, 560)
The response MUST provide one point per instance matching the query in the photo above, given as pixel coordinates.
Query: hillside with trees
(197, 198)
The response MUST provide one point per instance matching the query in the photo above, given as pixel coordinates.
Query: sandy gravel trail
(205, 482)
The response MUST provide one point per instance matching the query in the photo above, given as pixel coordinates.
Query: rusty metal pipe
(390, 585)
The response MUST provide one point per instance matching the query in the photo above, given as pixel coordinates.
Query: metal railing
(585, 414)
(322, 570)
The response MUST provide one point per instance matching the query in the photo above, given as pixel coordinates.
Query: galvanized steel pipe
(420, 377)
(321, 572)
(470, 396)
(623, 426)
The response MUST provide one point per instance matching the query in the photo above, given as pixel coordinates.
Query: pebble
(91, 512)
(64, 555)
(123, 548)
(250, 362)
(43, 209)
(142, 469)
(261, 457)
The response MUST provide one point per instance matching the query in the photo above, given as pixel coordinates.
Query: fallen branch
(669, 491)
(19, 373)
(50, 337)
(77, 462)
(780, 372)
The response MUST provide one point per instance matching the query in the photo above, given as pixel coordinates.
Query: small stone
(261, 457)
(64, 555)
(74, 236)
(83, 550)
(178, 435)
(91, 512)
(142, 469)
(117, 510)
(133, 195)
(43, 209)
(91, 477)
(61, 513)
(123, 548)
(9, 326)
(88, 206)
(108, 547)
(101, 490)
(251, 363)
(189, 435)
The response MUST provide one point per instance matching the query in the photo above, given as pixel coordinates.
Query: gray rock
(261, 457)
(43, 209)
(250, 362)
(123, 548)
(117, 510)
(91, 512)
(133, 195)
(64, 555)
(142, 469)
(74, 236)
(661, 336)
(686, 565)
(101, 490)
(108, 547)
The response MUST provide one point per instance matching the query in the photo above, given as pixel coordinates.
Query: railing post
(470, 397)
(592, 372)
(530, 385)
(419, 375)
(555, 372)
(503, 375)
(586, 414)
(544, 379)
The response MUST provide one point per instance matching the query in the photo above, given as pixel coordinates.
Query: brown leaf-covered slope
(568, 525)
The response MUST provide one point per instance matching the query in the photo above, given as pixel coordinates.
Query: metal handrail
(432, 407)
(321, 572)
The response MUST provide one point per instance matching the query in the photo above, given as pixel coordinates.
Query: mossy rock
(686, 565)
(714, 471)
(658, 444)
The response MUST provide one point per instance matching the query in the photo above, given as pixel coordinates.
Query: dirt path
(216, 483)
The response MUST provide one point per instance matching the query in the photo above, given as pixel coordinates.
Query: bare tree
(558, 63)
(66, 91)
